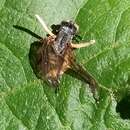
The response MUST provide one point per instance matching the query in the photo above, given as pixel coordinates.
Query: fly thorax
(65, 34)
(61, 42)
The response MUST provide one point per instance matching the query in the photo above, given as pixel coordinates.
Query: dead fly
(56, 54)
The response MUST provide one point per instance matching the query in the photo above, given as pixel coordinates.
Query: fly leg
(44, 25)
(81, 45)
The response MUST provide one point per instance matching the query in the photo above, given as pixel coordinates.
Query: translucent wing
(81, 73)
(86, 77)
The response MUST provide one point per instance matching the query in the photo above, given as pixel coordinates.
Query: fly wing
(42, 58)
(86, 77)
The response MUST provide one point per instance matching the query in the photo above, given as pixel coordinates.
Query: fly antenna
(44, 25)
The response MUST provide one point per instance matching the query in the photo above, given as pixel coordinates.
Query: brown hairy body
(51, 65)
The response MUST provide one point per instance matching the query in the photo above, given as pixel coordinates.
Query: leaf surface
(28, 104)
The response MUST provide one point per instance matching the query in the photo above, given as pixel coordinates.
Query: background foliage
(28, 104)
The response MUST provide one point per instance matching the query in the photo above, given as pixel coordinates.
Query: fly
(56, 54)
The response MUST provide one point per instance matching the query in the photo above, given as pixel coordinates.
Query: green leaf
(29, 104)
